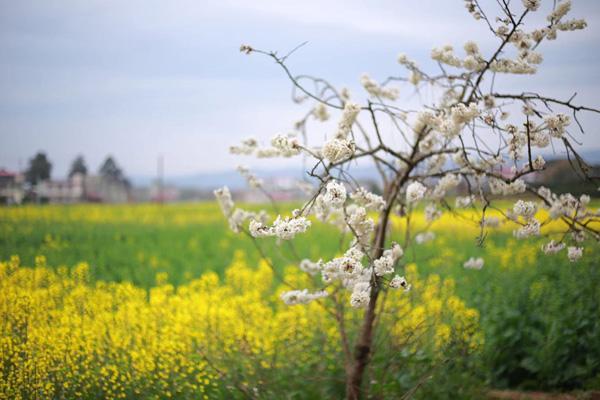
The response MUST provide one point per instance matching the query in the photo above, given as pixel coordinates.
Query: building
(11, 187)
(82, 188)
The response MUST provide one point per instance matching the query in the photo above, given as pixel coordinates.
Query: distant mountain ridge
(231, 178)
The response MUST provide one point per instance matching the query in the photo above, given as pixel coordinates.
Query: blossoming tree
(475, 136)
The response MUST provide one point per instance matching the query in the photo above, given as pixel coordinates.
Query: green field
(539, 315)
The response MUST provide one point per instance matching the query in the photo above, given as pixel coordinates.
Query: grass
(539, 314)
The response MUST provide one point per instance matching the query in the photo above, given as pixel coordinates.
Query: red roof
(4, 172)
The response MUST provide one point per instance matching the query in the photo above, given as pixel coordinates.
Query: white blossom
(294, 297)
(399, 282)
(415, 192)
(361, 295)
(432, 213)
(252, 180)
(531, 228)
(491, 222)
(561, 9)
(287, 228)
(361, 224)
(445, 55)
(447, 182)
(368, 200)
(531, 5)
(223, 196)
(466, 201)
(247, 147)
(375, 90)
(338, 150)
(310, 267)
(557, 124)
(283, 228)
(259, 229)
(424, 237)
(539, 163)
(526, 209)
(552, 247)
(320, 112)
(384, 265)
(335, 195)
(474, 263)
(287, 145)
(574, 253)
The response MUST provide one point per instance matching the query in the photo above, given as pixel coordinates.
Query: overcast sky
(136, 79)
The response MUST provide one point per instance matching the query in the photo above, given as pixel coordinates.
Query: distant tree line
(40, 169)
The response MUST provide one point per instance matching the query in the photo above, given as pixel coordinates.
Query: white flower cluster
(350, 272)
(491, 222)
(562, 9)
(283, 228)
(574, 253)
(281, 146)
(557, 124)
(375, 90)
(539, 163)
(339, 148)
(252, 180)
(526, 210)
(446, 183)
(294, 297)
(415, 192)
(474, 263)
(415, 76)
(473, 9)
(424, 237)
(465, 201)
(499, 187)
(399, 282)
(286, 145)
(347, 268)
(566, 204)
(328, 204)
(362, 226)
(236, 216)
(449, 124)
(508, 66)
(310, 267)
(474, 61)
(320, 112)
(247, 147)
(432, 213)
(384, 265)
(531, 228)
(532, 5)
(445, 55)
(225, 201)
(368, 200)
(361, 294)
(552, 247)
(335, 195)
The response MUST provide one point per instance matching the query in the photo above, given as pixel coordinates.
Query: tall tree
(78, 167)
(39, 169)
(111, 170)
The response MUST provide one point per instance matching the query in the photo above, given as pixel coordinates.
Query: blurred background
(138, 101)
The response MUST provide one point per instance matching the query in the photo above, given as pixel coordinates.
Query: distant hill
(212, 180)
(231, 178)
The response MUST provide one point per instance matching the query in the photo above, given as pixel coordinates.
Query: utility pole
(159, 180)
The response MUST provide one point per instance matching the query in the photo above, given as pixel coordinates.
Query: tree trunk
(364, 343)
(362, 351)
